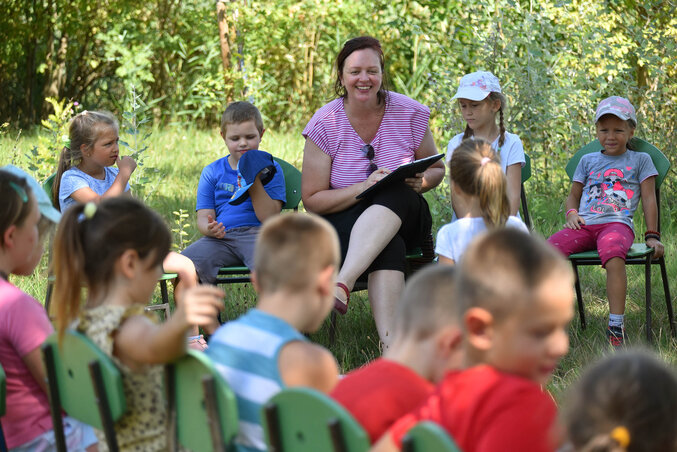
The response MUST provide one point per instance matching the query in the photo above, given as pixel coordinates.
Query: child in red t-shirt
(426, 343)
(515, 298)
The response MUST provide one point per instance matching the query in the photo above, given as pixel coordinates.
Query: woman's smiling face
(362, 75)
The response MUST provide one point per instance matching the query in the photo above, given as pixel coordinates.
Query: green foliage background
(555, 59)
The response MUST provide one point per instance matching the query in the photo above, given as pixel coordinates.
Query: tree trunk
(224, 35)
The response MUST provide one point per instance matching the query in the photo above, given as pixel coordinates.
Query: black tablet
(401, 173)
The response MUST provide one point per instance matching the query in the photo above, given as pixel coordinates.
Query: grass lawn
(179, 154)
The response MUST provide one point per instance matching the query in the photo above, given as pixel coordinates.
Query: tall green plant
(135, 129)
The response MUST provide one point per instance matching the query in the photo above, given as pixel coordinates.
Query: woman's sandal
(339, 305)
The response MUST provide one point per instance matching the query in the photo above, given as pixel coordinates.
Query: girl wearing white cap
(481, 101)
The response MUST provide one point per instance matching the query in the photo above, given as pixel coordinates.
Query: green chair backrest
(192, 415)
(661, 162)
(292, 180)
(3, 391)
(76, 390)
(526, 169)
(303, 418)
(428, 436)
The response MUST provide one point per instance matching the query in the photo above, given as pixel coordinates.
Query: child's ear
(8, 236)
(495, 104)
(83, 149)
(127, 263)
(223, 135)
(326, 280)
(261, 134)
(479, 325)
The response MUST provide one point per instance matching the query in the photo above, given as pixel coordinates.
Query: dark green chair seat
(526, 175)
(639, 253)
(202, 407)
(83, 382)
(305, 420)
(427, 437)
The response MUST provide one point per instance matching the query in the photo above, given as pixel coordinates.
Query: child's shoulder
(220, 165)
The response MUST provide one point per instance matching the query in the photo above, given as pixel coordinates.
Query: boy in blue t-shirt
(230, 228)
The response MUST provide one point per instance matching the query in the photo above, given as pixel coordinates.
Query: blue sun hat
(45, 205)
(251, 164)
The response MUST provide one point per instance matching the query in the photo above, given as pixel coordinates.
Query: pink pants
(609, 239)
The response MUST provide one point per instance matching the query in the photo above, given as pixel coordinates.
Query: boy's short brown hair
(502, 269)
(241, 111)
(291, 249)
(427, 302)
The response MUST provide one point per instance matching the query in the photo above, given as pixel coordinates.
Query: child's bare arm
(264, 206)
(306, 364)
(573, 220)
(139, 341)
(648, 193)
(126, 166)
(385, 444)
(207, 225)
(445, 260)
(33, 361)
(514, 178)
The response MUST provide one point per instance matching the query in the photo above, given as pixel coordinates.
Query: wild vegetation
(166, 68)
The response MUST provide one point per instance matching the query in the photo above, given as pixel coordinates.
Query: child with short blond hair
(426, 344)
(264, 351)
(515, 301)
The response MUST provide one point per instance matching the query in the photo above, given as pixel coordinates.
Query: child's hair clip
(484, 161)
(89, 210)
(621, 435)
(19, 191)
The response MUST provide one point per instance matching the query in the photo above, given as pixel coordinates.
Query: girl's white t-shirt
(511, 152)
(454, 238)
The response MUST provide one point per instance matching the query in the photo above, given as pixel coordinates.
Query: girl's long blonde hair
(88, 242)
(84, 130)
(475, 168)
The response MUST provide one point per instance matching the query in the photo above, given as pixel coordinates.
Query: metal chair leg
(668, 298)
(579, 296)
(647, 291)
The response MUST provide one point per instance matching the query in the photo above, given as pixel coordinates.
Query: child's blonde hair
(493, 97)
(501, 270)
(476, 169)
(427, 302)
(241, 111)
(16, 202)
(291, 248)
(84, 129)
(625, 402)
(91, 238)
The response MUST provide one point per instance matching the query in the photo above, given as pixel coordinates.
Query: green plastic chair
(428, 437)
(202, 407)
(526, 175)
(304, 420)
(48, 186)
(639, 253)
(237, 274)
(84, 382)
(3, 396)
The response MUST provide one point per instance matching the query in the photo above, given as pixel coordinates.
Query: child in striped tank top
(264, 351)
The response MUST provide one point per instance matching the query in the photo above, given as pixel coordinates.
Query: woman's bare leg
(372, 231)
(385, 287)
